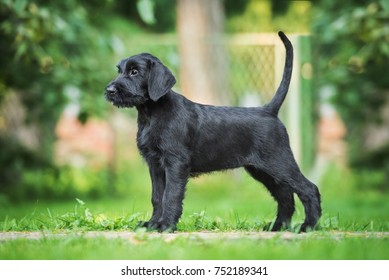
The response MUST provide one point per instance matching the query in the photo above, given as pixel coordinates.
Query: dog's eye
(133, 72)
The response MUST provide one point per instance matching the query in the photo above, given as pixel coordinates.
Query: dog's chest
(146, 138)
(148, 141)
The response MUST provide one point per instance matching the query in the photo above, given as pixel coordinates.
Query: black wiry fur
(179, 139)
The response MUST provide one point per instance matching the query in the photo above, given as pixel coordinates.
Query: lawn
(228, 202)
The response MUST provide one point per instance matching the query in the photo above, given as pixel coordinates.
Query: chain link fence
(252, 72)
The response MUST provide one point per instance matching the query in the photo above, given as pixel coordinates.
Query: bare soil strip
(139, 237)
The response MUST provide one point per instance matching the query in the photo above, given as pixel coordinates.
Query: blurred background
(60, 139)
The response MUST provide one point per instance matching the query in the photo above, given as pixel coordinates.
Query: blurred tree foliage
(352, 39)
(47, 48)
(268, 16)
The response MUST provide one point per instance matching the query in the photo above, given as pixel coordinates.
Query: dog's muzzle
(111, 94)
(120, 99)
(111, 90)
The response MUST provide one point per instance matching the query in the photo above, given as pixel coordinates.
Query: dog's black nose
(110, 89)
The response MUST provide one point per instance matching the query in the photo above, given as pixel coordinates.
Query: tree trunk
(203, 68)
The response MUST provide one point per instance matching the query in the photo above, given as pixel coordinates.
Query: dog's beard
(124, 100)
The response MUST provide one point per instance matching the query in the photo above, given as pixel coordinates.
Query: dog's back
(219, 138)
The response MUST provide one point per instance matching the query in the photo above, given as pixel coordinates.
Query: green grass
(184, 248)
(218, 202)
(222, 202)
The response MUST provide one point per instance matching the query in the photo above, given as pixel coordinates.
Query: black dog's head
(141, 78)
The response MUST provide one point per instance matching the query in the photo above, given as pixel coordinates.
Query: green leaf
(384, 49)
(80, 202)
(385, 4)
(21, 50)
(146, 11)
(20, 5)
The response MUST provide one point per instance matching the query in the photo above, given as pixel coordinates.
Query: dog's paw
(306, 228)
(162, 226)
(159, 226)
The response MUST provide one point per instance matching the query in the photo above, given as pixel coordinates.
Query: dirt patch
(137, 237)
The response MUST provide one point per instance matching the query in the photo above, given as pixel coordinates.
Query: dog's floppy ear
(161, 80)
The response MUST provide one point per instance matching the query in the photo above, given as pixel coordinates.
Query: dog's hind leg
(286, 172)
(309, 195)
(281, 193)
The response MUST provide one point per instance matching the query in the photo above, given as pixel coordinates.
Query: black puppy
(179, 139)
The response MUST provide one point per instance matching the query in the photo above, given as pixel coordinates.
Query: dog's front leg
(158, 182)
(176, 179)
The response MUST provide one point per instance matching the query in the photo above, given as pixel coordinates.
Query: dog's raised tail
(278, 99)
